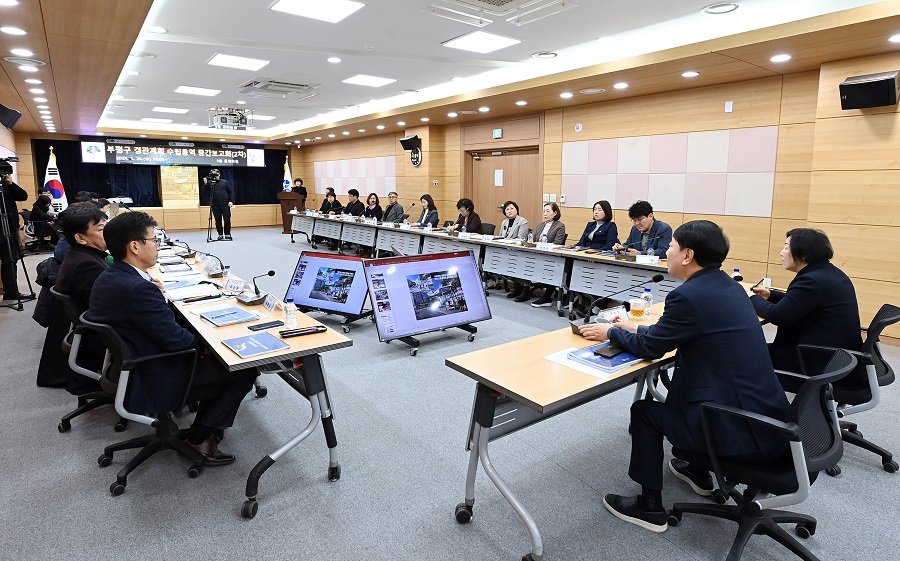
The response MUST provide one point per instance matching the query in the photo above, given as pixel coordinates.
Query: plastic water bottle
(226, 274)
(736, 274)
(530, 238)
(647, 297)
(290, 314)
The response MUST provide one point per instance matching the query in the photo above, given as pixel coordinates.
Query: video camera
(6, 165)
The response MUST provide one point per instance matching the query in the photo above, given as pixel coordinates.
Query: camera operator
(221, 199)
(9, 238)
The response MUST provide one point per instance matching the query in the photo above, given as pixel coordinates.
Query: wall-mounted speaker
(9, 117)
(411, 142)
(871, 90)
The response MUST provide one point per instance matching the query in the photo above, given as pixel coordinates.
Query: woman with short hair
(550, 230)
(468, 220)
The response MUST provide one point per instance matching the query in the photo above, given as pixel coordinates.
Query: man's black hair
(77, 218)
(707, 239)
(124, 229)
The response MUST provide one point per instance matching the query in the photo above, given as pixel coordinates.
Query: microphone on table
(256, 288)
(655, 278)
(626, 246)
(221, 272)
(406, 211)
(179, 243)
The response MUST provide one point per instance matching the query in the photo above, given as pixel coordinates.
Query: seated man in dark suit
(722, 358)
(125, 297)
(355, 206)
(82, 225)
(648, 235)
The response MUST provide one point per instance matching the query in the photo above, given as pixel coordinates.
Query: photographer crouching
(9, 231)
(221, 199)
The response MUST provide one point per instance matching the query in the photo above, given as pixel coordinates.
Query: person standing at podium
(221, 199)
(300, 190)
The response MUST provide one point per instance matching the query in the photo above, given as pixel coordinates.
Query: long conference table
(568, 270)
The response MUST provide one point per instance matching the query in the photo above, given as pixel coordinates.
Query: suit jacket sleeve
(148, 308)
(662, 244)
(521, 231)
(559, 237)
(474, 223)
(799, 300)
(18, 193)
(677, 325)
(229, 192)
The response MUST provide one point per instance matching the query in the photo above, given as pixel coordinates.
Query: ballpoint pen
(757, 284)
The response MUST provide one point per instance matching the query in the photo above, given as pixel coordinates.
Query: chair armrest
(787, 374)
(864, 358)
(131, 362)
(790, 429)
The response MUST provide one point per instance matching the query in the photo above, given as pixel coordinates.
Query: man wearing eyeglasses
(393, 212)
(126, 297)
(648, 235)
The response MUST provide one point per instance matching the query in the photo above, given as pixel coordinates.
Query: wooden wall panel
(552, 158)
(254, 215)
(871, 294)
(857, 143)
(791, 195)
(516, 132)
(184, 218)
(553, 122)
(860, 250)
(833, 73)
(795, 147)
(749, 236)
(799, 97)
(752, 271)
(861, 197)
(756, 103)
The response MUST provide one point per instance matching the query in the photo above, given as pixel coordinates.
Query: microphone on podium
(655, 278)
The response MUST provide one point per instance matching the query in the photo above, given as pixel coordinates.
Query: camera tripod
(17, 256)
(209, 221)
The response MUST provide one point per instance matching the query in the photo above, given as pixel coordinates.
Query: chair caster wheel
(249, 509)
(412, 352)
(345, 329)
(856, 433)
(471, 337)
(117, 489)
(463, 513)
(81, 400)
(572, 317)
(64, 426)
(833, 471)
(720, 496)
(195, 470)
(527, 558)
(293, 241)
(104, 460)
(890, 467)
(121, 425)
(560, 313)
(262, 391)
(334, 472)
(804, 531)
(673, 519)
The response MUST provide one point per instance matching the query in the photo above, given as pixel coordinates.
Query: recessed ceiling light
(424, 119)
(194, 124)
(521, 103)
(592, 91)
(12, 31)
(263, 117)
(480, 42)
(401, 123)
(221, 140)
(184, 138)
(142, 54)
(567, 95)
(288, 142)
(118, 97)
(307, 140)
(115, 105)
(9, 2)
(46, 118)
(43, 106)
(332, 135)
(894, 38)
(332, 11)
(191, 90)
(346, 133)
(379, 127)
(239, 62)
(21, 52)
(409, 91)
(175, 110)
(157, 29)
(132, 73)
(241, 102)
(721, 8)
(366, 80)
(297, 142)
(544, 54)
(453, 114)
(143, 136)
(784, 57)
(34, 81)
(360, 130)
(318, 138)
(36, 91)
(484, 109)
(44, 111)
(28, 68)
(155, 120)
(620, 85)
(690, 74)
(108, 112)
(334, 60)
(41, 99)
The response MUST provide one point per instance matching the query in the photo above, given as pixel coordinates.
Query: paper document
(588, 357)
(229, 316)
(562, 357)
(256, 344)
(178, 267)
(176, 294)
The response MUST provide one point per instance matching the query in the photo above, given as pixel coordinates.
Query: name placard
(269, 303)
(236, 285)
(646, 259)
(371, 221)
(405, 227)
(468, 236)
(545, 246)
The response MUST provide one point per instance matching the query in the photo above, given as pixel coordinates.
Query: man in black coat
(721, 358)
(355, 206)
(221, 199)
(9, 244)
(126, 298)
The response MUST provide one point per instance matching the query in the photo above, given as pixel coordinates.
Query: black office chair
(71, 345)
(488, 229)
(815, 443)
(879, 373)
(36, 233)
(167, 436)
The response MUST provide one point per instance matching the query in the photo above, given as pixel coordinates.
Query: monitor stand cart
(414, 343)
(348, 318)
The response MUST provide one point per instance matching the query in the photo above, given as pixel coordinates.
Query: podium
(289, 200)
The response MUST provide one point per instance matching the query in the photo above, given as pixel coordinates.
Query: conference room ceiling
(90, 83)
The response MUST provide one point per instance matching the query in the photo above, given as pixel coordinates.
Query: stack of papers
(178, 267)
(256, 344)
(228, 316)
(180, 293)
(586, 356)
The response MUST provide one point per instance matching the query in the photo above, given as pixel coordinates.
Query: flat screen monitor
(329, 283)
(420, 293)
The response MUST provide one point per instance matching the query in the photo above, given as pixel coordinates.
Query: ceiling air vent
(516, 12)
(274, 89)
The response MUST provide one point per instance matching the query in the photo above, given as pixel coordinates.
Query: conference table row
(569, 271)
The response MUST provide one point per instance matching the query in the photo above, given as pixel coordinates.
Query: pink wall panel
(574, 187)
(752, 149)
(632, 187)
(704, 193)
(668, 153)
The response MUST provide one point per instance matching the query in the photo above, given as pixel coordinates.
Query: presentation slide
(328, 282)
(419, 293)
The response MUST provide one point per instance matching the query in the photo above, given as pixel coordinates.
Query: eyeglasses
(639, 219)
(157, 240)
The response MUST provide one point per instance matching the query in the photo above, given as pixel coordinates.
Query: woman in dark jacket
(468, 220)
(373, 208)
(42, 221)
(602, 232)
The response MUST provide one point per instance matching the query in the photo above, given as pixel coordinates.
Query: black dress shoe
(516, 292)
(13, 296)
(626, 508)
(212, 456)
(524, 297)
